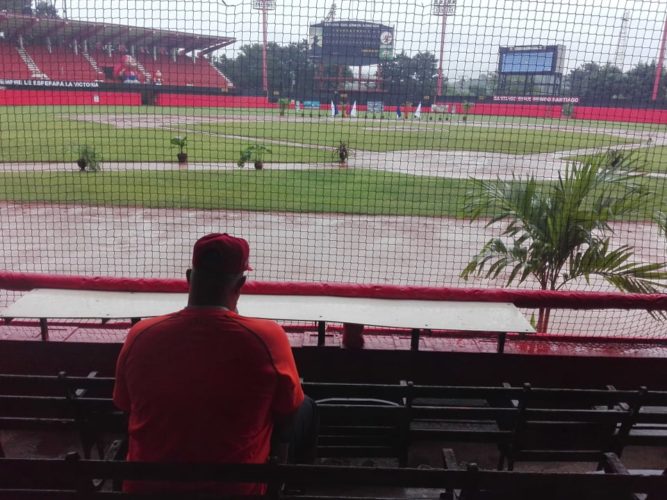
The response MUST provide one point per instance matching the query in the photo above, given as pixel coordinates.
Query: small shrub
(181, 142)
(568, 110)
(283, 104)
(343, 153)
(253, 153)
(88, 158)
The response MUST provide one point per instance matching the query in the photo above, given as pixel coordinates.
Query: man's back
(203, 385)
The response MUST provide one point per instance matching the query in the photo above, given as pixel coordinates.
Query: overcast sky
(589, 29)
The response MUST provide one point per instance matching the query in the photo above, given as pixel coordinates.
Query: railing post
(44, 329)
(414, 340)
(321, 333)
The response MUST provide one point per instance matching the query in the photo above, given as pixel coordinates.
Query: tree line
(292, 73)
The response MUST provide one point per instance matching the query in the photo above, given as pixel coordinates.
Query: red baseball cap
(233, 253)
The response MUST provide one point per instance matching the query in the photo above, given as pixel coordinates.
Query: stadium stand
(102, 47)
(75, 478)
(184, 72)
(13, 66)
(63, 64)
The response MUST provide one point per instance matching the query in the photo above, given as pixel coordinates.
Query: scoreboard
(531, 60)
(351, 43)
(16, 6)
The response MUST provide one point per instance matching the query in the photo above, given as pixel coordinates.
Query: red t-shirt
(202, 385)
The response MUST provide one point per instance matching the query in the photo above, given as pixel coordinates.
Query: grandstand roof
(38, 29)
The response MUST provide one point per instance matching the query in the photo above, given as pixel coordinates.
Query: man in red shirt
(206, 385)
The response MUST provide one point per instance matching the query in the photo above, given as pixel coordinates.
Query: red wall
(227, 101)
(67, 98)
(12, 97)
(621, 114)
(515, 110)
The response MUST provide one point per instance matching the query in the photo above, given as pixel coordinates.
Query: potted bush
(465, 107)
(88, 158)
(181, 142)
(253, 153)
(343, 154)
(283, 105)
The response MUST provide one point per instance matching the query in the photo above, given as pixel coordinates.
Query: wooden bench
(609, 462)
(72, 478)
(379, 420)
(649, 421)
(63, 404)
(569, 424)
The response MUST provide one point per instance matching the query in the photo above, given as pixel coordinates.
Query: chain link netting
(345, 140)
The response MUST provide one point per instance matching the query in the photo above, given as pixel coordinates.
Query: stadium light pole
(660, 62)
(265, 6)
(442, 8)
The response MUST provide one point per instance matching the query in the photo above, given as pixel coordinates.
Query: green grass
(342, 191)
(394, 135)
(650, 160)
(357, 191)
(46, 134)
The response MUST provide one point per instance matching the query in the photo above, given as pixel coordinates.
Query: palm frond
(560, 230)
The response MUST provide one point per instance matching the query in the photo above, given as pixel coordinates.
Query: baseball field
(395, 214)
(396, 167)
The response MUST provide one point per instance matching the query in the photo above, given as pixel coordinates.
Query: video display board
(531, 60)
(353, 43)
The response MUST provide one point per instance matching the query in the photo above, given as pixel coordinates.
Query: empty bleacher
(184, 72)
(12, 65)
(63, 64)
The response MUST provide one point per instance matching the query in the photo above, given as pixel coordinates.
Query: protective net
(346, 141)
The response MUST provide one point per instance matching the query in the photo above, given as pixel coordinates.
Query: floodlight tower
(265, 6)
(622, 45)
(442, 8)
(660, 62)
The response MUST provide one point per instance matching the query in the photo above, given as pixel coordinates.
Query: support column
(659, 63)
(442, 54)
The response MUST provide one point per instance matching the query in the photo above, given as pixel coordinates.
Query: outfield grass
(355, 191)
(388, 135)
(45, 134)
(650, 160)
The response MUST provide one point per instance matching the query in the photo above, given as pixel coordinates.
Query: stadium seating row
(75, 479)
(383, 420)
(64, 64)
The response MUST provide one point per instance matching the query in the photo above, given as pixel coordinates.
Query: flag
(418, 111)
(353, 113)
(334, 111)
(398, 112)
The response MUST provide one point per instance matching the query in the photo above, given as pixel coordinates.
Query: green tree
(560, 232)
(593, 81)
(46, 9)
(639, 82)
(289, 69)
(410, 78)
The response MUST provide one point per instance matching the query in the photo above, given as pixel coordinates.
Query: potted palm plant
(88, 158)
(181, 142)
(561, 232)
(253, 153)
